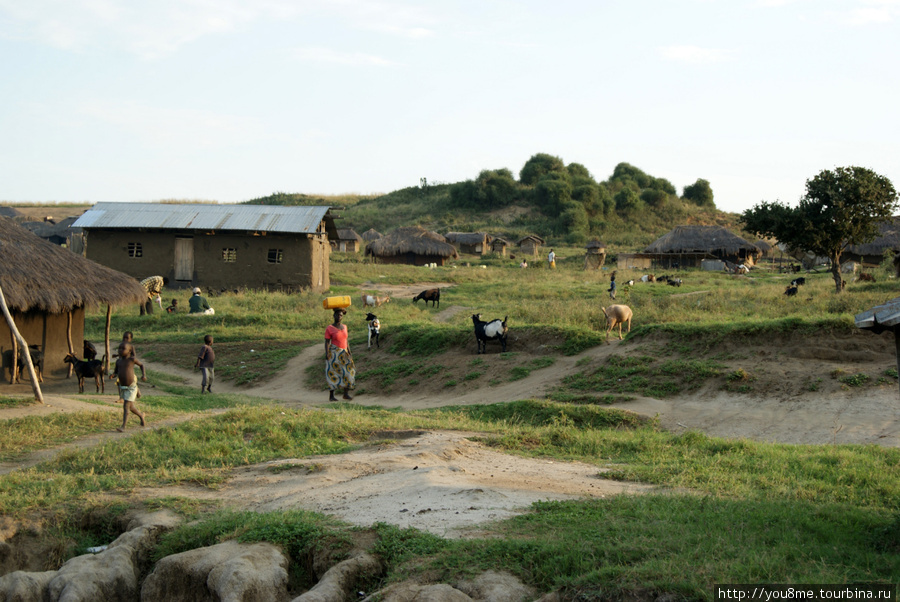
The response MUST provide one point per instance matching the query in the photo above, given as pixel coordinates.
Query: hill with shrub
(562, 203)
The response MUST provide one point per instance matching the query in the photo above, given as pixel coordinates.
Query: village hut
(348, 240)
(687, 246)
(633, 261)
(370, 235)
(499, 246)
(219, 247)
(530, 245)
(47, 290)
(59, 233)
(470, 243)
(595, 255)
(871, 254)
(412, 245)
(765, 248)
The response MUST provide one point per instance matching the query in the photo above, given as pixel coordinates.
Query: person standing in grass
(340, 373)
(206, 360)
(612, 285)
(551, 259)
(127, 381)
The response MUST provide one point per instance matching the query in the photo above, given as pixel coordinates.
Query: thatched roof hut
(595, 255)
(348, 240)
(45, 284)
(530, 244)
(688, 245)
(371, 234)
(872, 253)
(473, 243)
(412, 245)
(499, 245)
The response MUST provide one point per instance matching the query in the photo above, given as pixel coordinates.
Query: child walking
(206, 359)
(124, 372)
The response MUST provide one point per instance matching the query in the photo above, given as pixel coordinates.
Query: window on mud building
(275, 255)
(229, 255)
(135, 249)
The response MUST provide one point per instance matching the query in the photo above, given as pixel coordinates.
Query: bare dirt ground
(449, 483)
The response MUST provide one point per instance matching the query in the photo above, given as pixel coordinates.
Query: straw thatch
(468, 238)
(415, 239)
(38, 275)
(371, 234)
(702, 239)
(888, 238)
(348, 234)
(595, 246)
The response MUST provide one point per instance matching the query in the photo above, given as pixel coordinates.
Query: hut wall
(628, 261)
(48, 331)
(227, 260)
(472, 249)
(412, 259)
(530, 247)
(499, 248)
(348, 246)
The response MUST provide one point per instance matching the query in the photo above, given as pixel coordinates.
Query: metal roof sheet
(257, 218)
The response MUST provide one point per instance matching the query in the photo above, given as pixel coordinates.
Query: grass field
(736, 511)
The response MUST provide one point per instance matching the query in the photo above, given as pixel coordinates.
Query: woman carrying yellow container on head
(340, 373)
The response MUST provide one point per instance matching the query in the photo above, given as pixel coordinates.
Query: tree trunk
(27, 355)
(69, 341)
(836, 272)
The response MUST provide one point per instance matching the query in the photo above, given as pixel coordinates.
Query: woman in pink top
(340, 373)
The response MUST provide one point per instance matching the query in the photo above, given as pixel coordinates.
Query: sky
(230, 100)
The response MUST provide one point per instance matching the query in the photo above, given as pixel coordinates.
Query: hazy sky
(227, 100)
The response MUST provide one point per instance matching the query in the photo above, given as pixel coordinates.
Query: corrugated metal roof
(256, 218)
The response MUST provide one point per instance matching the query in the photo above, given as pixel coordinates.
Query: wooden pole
(69, 341)
(18, 337)
(15, 357)
(897, 345)
(106, 335)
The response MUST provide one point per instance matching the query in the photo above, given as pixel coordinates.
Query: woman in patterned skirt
(340, 373)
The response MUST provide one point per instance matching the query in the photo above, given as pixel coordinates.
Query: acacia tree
(840, 208)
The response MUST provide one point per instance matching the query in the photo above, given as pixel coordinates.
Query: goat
(798, 281)
(90, 352)
(648, 278)
(863, 277)
(630, 283)
(790, 291)
(374, 330)
(87, 369)
(37, 360)
(616, 315)
(490, 331)
(373, 301)
(432, 294)
(674, 281)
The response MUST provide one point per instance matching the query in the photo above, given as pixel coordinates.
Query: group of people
(154, 286)
(126, 378)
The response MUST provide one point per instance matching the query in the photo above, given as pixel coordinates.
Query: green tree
(626, 171)
(840, 208)
(700, 193)
(577, 170)
(552, 195)
(627, 200)
(539, 165)
(493, 189)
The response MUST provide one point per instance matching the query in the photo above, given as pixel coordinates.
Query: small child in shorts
(206, 361)
(127, 380)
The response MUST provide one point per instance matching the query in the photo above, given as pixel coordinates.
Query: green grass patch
(7, 402)
(643, 375)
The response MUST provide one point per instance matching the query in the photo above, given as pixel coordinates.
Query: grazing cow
(89, 369)
(495, 330)
(374, 330)
(616, 315)
(432, 294)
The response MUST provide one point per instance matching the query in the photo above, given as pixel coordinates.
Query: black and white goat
(374, 330)
(495, 330)
(798, 281)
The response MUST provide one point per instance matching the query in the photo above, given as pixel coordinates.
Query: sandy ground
(449, 484)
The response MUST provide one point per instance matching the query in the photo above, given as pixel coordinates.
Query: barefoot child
(206, 360)
(128, 382)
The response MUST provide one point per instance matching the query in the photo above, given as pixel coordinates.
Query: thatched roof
(700, 239)
(468, 238)
(595, 244)
(348, 234)
(888, 238)
(371, 234)
(10, 212)
(38, 275)
(531, 237)
(499, 239)
(414, 239)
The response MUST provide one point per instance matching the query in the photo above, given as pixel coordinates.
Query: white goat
(374, 330)
(616, 315)
(373, 301)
